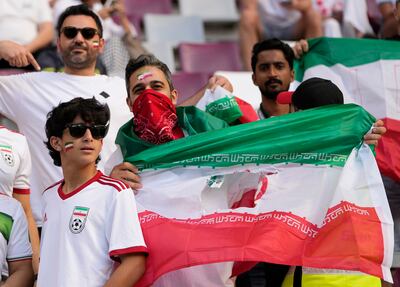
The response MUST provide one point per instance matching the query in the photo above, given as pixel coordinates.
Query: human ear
(174, 96)
(55, 143)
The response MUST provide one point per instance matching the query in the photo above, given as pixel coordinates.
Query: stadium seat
(139, 8)
(163, 51)
(210, 10)
(173, 28)
(136, 9)
(188, 83)
(209, 57)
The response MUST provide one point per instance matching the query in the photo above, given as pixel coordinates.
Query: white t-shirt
(14, 230)
(84, 229)
(27, 98)
(274, 15)
(15, 163)
(19, 19)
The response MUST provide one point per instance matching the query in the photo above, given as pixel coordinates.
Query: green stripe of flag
(324, 135)
(348, 52)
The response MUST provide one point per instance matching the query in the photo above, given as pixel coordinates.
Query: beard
(272, 93)
(78, 60)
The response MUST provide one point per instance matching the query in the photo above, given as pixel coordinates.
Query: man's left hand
(377, 131)
(218, 80)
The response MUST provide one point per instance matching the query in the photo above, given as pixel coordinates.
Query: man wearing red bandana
(152, 99)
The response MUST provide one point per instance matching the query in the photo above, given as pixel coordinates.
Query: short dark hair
(146, 60)
(90, 110)
(271, 44)
(81, 9)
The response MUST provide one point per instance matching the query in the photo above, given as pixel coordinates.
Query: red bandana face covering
(155, 119)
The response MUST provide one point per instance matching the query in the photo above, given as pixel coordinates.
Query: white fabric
(15, 162)
(26, 99)
(18, 247)
(114, 159)
(210, 275)
(327, 7)
(111, 226)
(274, 15)
(19, 19)
(60, 6)
(356, 16)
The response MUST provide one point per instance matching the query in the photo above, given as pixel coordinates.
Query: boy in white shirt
(90, 220)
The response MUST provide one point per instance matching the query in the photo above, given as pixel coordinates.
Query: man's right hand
(128, 173)
(17, 55)
(300, 48)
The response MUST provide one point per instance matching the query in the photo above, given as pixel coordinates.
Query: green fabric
(193, 120)
(225, 108)
(347, 52)
(324, 135)
(6, 223)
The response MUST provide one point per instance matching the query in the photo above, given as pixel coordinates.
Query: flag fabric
(368, 73)
(299, 189)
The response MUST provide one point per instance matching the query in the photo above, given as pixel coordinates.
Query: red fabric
(249, 114)
(343, 242)
(388, 150)
(155, 118)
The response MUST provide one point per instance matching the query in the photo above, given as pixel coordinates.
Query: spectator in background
(289, 20)
(26, 22)
(389, 23)
(15, 170)
(121, 41)
(332, 14)
(14, 243)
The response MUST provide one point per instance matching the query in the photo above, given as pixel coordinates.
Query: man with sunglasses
(27, 98)
(87, 214)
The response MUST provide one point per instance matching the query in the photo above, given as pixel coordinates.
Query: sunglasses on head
(78, 130)
(87, 32)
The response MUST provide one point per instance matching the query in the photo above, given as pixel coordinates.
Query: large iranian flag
(368, 73)
(299, 189)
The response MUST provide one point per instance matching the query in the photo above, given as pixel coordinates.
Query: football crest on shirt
(78, 219)
(7, 155)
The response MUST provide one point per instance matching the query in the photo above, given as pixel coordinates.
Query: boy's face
(149, 77)
(75, 150)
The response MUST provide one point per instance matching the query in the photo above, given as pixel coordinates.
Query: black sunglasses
(87, 32)
(97, 131)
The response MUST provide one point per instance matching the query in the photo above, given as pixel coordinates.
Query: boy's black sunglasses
(87, 32)
(97, 131)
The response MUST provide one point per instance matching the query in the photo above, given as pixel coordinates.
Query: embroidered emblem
(78, 219)
(215, 181)
(7, 155)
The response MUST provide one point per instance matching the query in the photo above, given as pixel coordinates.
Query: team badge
(6, 154)
(78, 219)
